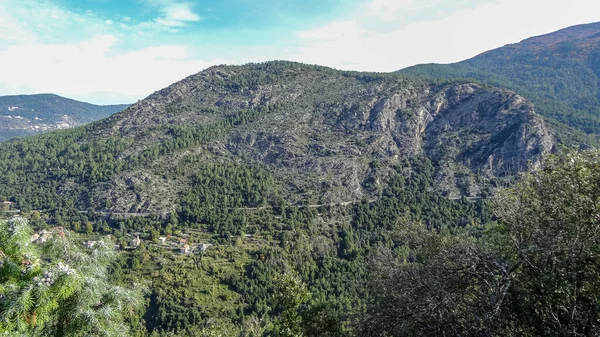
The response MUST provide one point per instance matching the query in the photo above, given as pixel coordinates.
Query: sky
(120, 51)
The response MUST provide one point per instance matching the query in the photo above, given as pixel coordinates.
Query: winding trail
(126, 215)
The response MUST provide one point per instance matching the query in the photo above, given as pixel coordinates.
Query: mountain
(241, 183)
(559, 72)
(310, 135)
(24, 115)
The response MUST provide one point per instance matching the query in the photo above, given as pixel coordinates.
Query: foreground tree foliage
(59, 288)
(532, 273)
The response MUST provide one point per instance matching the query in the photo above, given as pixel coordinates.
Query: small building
(183, 241)
(41, 237)
(89, 244)
(34, 237)
(8, 203)
(162, 239)
(185, 249)
(203, 247)
(40, 240)
(117, 247)
(136, 242)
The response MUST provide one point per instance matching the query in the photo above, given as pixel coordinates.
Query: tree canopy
(534, 272)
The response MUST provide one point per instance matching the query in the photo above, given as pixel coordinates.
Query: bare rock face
(384, 113)
(466, 130)
(494, 132)
(486, 130)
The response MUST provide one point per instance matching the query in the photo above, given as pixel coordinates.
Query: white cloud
(463, 33)
(91, 69)
(10, 29)
(28, 21)
(170, 23)
(81, 55)
(43, 21)
(48, 48)
(174, 14)
(335, 31)
(180, 12)
(394, 10)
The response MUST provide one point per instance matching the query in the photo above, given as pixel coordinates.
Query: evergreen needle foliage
(59, 288)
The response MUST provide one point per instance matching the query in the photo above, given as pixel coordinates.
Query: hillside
(272, 169)
(324, 136)
(559, 72)
(25, 115)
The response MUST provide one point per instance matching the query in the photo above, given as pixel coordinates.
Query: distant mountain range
(559, 72)
(24, 115)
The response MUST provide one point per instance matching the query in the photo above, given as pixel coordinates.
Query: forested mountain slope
(559, 72)
(260, 196)
(315, 135)
(24, 115)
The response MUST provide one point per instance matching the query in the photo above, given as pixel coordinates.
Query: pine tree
(59, 288)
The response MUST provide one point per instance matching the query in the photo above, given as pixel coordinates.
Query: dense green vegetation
(233, 284)
(35, 167)
(531, 273)
(371, 268)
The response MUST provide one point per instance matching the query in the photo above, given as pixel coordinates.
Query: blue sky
(112, 51)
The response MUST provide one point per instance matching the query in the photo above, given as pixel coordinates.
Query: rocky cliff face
(320, 132)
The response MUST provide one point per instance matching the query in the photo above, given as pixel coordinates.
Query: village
(181, 244)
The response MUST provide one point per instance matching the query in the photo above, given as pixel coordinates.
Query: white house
(203, 247)
(41, 237)
(34, 237)
(136, 242)
(89, 244)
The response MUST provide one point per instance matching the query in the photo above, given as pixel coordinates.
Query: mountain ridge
(587, 30)
(324, 135)
(23, 115)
